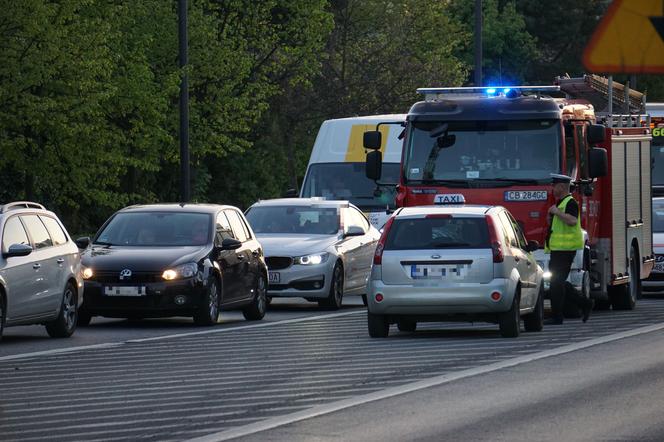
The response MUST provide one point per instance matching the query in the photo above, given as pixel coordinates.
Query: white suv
(459, 263)
(40, 280)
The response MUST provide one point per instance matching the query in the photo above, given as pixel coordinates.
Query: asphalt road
(33, 338)
(608, 392)
(241, 378)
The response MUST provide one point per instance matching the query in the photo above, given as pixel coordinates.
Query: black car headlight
(182, 271)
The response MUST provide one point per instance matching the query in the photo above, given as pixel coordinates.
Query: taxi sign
(449, 198)
(629, 39)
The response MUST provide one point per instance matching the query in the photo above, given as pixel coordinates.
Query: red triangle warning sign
(629, 39)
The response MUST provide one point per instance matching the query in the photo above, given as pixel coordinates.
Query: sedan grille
(278, 262)
(113, 276)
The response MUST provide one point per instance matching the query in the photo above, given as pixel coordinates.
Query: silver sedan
(314, 249)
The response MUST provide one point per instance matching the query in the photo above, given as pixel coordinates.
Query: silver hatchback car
(460, 263)
(40, 270)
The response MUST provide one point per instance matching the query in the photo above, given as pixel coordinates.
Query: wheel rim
(213, 307)
(338, 286)
(261, 298)
(69, 308)
(586, 285)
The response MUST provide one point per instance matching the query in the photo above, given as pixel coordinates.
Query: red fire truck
(499, 146)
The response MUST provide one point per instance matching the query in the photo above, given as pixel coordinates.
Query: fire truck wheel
(624, 296)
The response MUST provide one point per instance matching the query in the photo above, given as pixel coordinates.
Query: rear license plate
(525, 195)
(274, 277)
(453, 271)
(125, 291)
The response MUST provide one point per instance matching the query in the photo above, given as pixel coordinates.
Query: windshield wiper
(450, 183)
(515, 180)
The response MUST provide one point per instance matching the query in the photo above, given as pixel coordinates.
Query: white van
(336, 165)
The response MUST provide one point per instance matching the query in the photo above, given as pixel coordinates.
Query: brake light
(378, 254)
(438, 215)
(494, 239)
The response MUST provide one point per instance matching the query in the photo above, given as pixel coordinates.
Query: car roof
(22, 207)
(303, 202)
(447, 209)
(175, 207)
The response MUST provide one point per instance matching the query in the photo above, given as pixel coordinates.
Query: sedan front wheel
(208, 311)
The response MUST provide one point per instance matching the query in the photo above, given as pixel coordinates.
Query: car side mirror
(83, 242)
(18, 250)
(598, 162)
(290, 193)
(532, 246)
(596, 134)
(374, 165)
(354, 231)
(372, 139)
(230, 244)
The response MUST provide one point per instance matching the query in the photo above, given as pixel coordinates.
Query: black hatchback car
(174, 260)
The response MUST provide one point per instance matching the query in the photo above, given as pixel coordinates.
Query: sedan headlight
(182, 271)
(86, 272)
(308, 260)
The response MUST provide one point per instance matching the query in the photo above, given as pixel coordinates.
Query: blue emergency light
(433, 93)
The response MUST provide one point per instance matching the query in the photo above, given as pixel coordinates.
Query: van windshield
(347, 181)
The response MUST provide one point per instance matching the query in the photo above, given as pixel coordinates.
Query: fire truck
(498, 146)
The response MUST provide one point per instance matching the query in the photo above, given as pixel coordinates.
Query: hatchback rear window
(437, 233)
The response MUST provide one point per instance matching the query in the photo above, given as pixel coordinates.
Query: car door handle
(517, 259)
(61, 260)
(529, 263)
(36, 266)
(255, 253)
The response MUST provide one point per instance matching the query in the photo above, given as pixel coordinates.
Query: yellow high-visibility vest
(563, 236)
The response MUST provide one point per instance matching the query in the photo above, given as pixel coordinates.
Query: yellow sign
(629, 39)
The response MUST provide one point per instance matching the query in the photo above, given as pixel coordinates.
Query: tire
(407, 326)
(256, 310)
(534, 321)
(64, 325)
(208, 312)
(623, 297)
(378, 326)
(510, 321)
(84, 317)
(335, 297)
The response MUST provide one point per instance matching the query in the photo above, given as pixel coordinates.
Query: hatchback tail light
(494, 238)
(378, 254)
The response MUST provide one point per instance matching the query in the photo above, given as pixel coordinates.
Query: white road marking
(179, 335)
(279, 421)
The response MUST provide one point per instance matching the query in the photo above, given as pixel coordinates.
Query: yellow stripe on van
(356, 153)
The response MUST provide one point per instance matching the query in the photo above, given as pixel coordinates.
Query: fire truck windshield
(498, 151)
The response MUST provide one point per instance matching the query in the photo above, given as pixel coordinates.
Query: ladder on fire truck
(616, 105)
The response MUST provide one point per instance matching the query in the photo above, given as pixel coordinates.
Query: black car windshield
(525, 151)
(159, 229)
(658, 215)
(294, 220)
(348, 181)
(438, 233)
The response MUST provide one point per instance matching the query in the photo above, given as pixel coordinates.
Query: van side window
(55, 230)
(570, 150)
(40, 237)
(583, 155)
(14, 233)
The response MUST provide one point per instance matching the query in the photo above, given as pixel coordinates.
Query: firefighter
(564, 239)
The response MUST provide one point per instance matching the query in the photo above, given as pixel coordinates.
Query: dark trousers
(559, 266)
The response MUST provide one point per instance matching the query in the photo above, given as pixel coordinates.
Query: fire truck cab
(498, 146)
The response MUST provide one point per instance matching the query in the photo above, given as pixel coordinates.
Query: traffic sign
(629, 39)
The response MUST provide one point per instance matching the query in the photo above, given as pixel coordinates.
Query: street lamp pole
(478, 43)
(184, 103)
